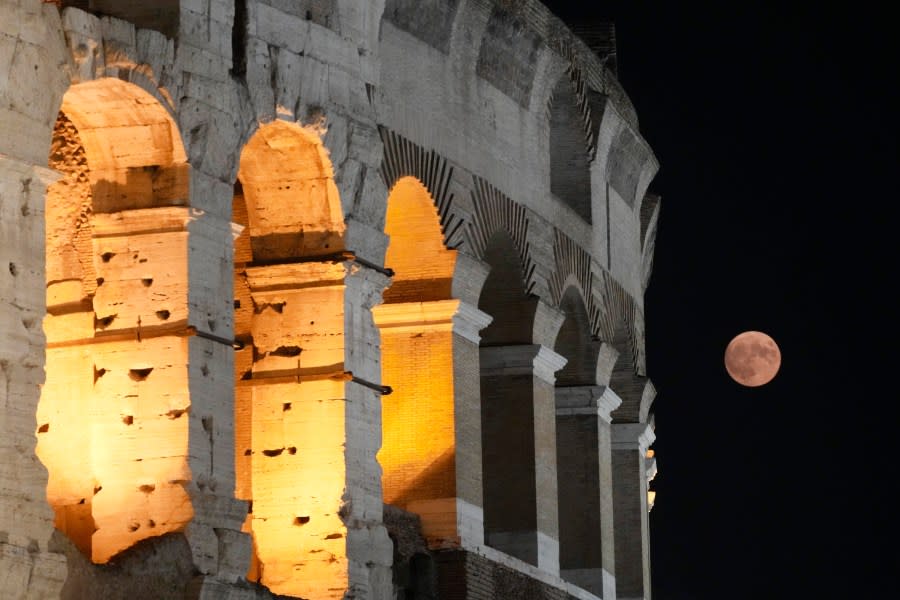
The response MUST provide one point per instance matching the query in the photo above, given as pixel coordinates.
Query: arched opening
(416, 322)
(511, 398)
(570, 175)
(290, 418)
(583, 453)
(109, 420)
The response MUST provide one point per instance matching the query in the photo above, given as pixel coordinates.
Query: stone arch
(117, 378)
(518, 437)
(290, 401)
(570, 152)
(575, 342)
(429, 340)
(286, 182)
(583, 470)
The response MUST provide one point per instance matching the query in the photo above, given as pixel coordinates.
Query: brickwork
(213, 293)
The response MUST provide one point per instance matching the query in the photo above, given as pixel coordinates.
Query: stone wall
(194, 203)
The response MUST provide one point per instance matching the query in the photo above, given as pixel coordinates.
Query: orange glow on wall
(290, 401)
(418, 453)
(113, 415)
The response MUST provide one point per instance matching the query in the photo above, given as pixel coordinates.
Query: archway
(290, 415)
(110, 426)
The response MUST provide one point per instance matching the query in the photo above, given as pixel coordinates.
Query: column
(586, 553)
(519, 446)
(431, 450)
(630, 442)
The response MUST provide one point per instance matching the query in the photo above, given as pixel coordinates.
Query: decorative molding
(453, 315)
(522, 359)
(632, 436)
(595, 400)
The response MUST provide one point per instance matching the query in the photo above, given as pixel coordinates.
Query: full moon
(752, 358)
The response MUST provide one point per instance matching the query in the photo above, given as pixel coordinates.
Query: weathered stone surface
(194, 301)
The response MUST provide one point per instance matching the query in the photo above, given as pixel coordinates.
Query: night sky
(777, 140)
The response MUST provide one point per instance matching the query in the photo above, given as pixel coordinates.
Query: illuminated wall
(289, 402)
(425, 418)
(112, 429)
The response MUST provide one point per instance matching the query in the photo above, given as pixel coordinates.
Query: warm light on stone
(113, 425)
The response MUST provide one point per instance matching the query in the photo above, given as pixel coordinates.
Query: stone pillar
(630, 442)
(315, 429)
(117, 409)
(519, 446)
(431, 452)
(29, 569)
(586, 553)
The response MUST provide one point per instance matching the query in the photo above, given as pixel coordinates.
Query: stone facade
(320, 299)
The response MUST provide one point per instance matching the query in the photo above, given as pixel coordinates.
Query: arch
(504, 296)
(575, 342)
(416, 321)
(583, 452)
(517, 432)
(116, 256)
(292, 204)
(423, 267)
(290, 401)
(570, 175)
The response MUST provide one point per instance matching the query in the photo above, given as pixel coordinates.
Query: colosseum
(321, 299)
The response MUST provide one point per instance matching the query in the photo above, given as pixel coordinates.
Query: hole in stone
(128, 419)
(44, 428)
(107, 256)
(248, 452)
(97, 489)
(286, 406)
(292, 450)
(237, 303)
(147, 281)
(143, 260)
(98, 373)
(273, 452)
(211, 324)
(312, 322)
(278, 306)
(134, 526)
(104, 322)
(13, 270)
(250, 507)
(286, 351)
(207, 424)
(163, 315)
(309, 15)
(135, 257)
(204, 370)
(175, 413)
(151, 523)
(147, 488)
(334, 536)
(100, 281)
(140, 374)
(301, 520)
(81, 501)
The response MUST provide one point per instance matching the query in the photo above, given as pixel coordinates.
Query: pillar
(630, 442)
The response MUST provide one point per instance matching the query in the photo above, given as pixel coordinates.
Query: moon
(752, 358)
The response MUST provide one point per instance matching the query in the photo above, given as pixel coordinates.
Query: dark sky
(777, 140)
